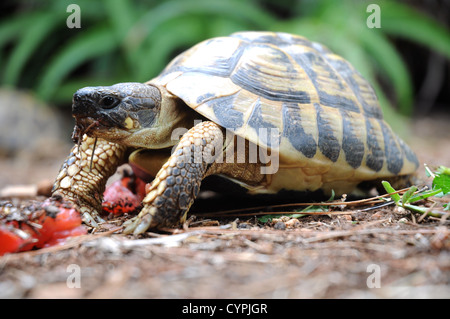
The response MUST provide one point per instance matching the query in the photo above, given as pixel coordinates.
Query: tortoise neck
(175, 118)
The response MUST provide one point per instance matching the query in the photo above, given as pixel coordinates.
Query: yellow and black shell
(331, 128)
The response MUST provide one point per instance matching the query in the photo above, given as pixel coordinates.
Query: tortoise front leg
(177, 184)
(84, 185)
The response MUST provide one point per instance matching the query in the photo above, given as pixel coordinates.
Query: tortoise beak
(85, 109)
(85, 113)
(82, 105)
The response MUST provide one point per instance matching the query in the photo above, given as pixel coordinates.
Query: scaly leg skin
(177, 183)
(84, 185)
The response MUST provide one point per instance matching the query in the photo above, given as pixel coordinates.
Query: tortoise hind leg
(177, 183)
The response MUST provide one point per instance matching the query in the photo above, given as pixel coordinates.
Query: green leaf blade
(390, 190)
(404, 21)
(93, 43)
(28, 43)
(423, 195)
(408, 194)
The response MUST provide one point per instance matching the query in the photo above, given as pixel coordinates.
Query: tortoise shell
(329, 124)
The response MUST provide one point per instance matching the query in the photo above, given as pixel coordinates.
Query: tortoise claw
(130, 225)
(91, 218)
(143, 224)
(137, 225)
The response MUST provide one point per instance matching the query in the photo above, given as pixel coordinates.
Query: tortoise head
(133, 114)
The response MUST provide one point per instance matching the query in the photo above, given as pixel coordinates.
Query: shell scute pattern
(278, 80)
(294, 131)
(375, 154)
(331, 89)
(394, 156)
(353, 138)
(325, 111)
(329, 143)
(362, 90)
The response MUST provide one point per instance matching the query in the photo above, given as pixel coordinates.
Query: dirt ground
(383, 253)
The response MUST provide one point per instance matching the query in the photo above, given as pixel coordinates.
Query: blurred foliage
(130, 40)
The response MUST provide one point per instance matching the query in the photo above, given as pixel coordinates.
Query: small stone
(292, 223)
(347, 217)
(377, 215)
(280, 225)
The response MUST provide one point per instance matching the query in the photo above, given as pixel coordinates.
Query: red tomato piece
(10, 242)
(124, 196)
(61, 236)
(46, 226)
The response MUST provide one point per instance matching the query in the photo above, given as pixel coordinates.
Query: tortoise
(268, 111)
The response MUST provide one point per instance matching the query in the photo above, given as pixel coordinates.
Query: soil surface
(381, 253)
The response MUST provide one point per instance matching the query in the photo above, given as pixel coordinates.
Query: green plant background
(132, 40)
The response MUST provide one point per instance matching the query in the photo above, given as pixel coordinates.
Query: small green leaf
(333, 194)
(297, 215)
(318, 207)
(389, 189)
(266, 218)
(407, 195)
(442, 180)
(423, 195)
(315, 208)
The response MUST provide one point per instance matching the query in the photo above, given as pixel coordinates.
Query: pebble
(280, 225)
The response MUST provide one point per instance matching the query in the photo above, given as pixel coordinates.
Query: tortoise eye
(108, 102)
